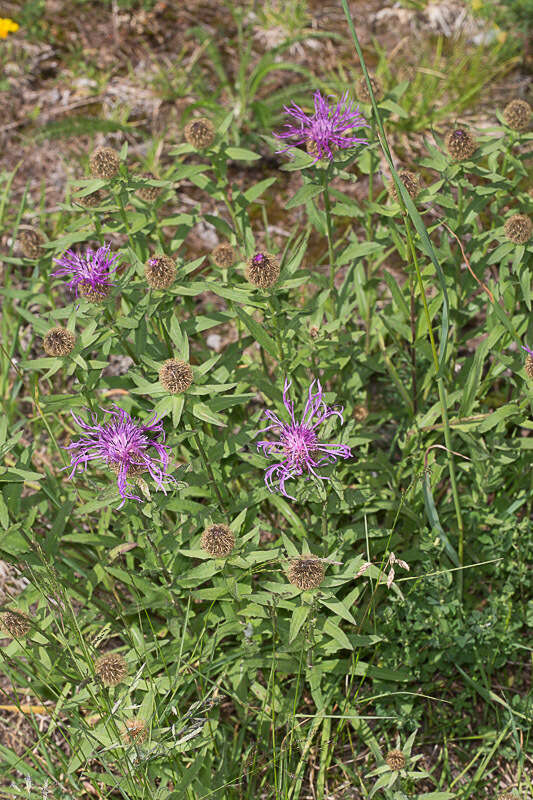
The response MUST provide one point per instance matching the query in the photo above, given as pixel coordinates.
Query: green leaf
(203, 412)
(254, 192)
(338, 608)
(299, 616)
(333, 630)
(258, 332)
(240, 154)
(303, 194)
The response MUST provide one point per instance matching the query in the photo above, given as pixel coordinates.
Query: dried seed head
(223, 255)
(306, 572)
(395, 760)
(517, 115)
(134, 731)
(94, 294)
(518, 228)
(409, 180)
(508, 796)
(175, 376)
(528, 366)
(360, 413)
(262, 270)
(313, 331)
(148, 193)
(461, 145)
(364, 94)
(30, 241)
(218, 541)
(160, 272)
(104, 163)
(15, 623)
(111, 668)
(200, 133)
(58, 342)
(90, 200)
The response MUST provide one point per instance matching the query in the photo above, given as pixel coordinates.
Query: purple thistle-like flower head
(298, 443)
(527, 350)
(125, 445)
(90, 274)
(326, 127)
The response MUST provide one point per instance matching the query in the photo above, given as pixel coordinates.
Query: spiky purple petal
(299, 442)
(94, 269)
(326, 127)
(124, 443)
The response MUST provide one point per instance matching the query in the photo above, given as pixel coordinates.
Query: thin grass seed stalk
(59, 342)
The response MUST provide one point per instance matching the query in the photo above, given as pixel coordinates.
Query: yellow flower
(7, 26)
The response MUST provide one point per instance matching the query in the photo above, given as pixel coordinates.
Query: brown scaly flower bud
(360, 413)
(175, 376)
(111, 668)
(306, 572)
(313, 331)
(90, 200)
(410, 180)
(518, 228)
(94, 294)
(395, 760)
(160, 272)
(104, 163)
(223, 255)
(262, 270)
(528, 366)
(31, 241)
(218, 541)
(15, 623)
(200, 133)
(59, 342)
(517, 115)
(148, 193)
(312, 148)
(134, 731)
(364, 94)
(461, 145)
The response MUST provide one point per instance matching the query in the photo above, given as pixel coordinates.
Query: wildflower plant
(330, 346)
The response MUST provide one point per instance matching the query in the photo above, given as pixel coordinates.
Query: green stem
(327, 208)
(207, 467)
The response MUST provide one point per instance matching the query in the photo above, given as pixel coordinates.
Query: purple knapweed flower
(298, 441)
(326, 128)
(90, 274)
(528, 350)
(124, 444)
